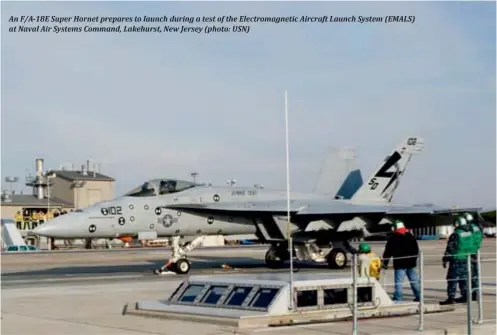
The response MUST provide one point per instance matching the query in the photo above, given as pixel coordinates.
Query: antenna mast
(288, 228)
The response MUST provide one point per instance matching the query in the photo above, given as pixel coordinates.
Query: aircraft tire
(337, 258)
(272, 261)
(182, 266)
(282, 252)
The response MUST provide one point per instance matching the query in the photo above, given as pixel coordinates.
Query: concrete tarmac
(84, 293)
(129, 264)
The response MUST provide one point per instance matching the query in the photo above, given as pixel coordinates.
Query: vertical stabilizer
(381, 185)
(350, 186)
(339, 174)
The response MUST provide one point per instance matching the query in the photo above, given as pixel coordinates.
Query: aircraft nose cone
(46, 229)
(59, 227)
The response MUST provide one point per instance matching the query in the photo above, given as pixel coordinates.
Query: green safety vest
(465, 244)
(477, 237)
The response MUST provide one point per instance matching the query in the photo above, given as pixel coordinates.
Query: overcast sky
(163, 105)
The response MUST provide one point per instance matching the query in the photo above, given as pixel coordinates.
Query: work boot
(474, 296)
(449, 301)
(461, 300)
(416, 300)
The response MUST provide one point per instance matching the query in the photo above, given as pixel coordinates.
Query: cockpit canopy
(159, 187)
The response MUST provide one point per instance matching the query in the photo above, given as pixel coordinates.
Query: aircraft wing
(322, 211)
(413, 216)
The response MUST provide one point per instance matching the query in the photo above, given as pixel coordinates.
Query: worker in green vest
(460, 246)
(477, 231)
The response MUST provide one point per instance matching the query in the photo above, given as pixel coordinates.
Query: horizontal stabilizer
(459, 210)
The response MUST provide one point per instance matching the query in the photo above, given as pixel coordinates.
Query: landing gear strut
(178, 263)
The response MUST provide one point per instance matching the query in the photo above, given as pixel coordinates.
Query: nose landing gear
(181, 266)
(178, 264)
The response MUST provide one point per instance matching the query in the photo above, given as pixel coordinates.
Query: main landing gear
(278, 254)
(337, 258)
(178, 263)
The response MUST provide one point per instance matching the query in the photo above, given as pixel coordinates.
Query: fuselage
(130, 215)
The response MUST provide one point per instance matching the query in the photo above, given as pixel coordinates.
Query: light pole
(11, 180)
(194, 176)
(48, 176)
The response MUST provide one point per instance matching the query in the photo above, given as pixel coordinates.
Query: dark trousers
(457, 274)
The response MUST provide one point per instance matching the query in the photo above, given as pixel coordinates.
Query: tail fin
(335, 173)
(350, 186)
(383, 183)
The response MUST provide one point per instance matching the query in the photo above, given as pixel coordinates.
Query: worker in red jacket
(403, 247)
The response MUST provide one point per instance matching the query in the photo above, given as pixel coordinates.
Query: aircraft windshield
(160, 186)
(172, 186)
(146, 190)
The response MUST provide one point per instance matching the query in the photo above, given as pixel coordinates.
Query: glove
(384, 266)
(445, 265)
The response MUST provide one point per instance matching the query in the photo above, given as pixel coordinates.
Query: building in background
(81, 188)
(56, 192)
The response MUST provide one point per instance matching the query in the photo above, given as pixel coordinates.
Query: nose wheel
(181, 267)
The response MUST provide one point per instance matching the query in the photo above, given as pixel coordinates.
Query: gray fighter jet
(179, 209)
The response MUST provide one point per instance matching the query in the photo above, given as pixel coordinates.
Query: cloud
(150, 105)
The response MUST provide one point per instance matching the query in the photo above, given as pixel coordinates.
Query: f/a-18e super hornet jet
(180, 209)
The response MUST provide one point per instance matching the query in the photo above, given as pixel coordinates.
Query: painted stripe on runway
(73, 278)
